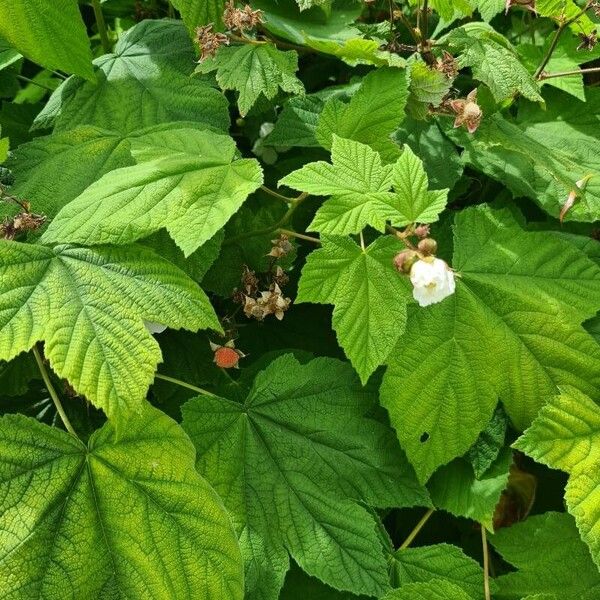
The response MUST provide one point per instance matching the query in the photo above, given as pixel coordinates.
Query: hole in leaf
(424, 437)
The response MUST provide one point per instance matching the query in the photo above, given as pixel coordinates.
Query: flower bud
(427, 246)
(422, 231)
(403, 261)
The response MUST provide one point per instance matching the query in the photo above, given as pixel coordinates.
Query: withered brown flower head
(21, 223)
(281, 246)
(588, 42)
(241, 19)
(270, 302)
(468, 112)
(209, 41)
(527, 4)
(447, 65)
(249, 281)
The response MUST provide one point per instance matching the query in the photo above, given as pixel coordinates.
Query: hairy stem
(275, 194)
(294, 204)
(563, 25)
(486, 565)
(27, 80)
(101, 24)
(413, 534)
(567, 73)
(183, 384)
(300, 236)
(48, 383)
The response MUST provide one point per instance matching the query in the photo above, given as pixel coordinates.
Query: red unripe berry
(226, 358)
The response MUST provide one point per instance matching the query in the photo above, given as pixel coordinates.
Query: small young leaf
(186, 181)
(369, 296)
(89, 306)
(455, 488)
(358, 184)
(254, 70)
(371, 116)
(487, 447)
(111, 520)
(566, 435)
(440, 561)
(292, 463)
(435, 589)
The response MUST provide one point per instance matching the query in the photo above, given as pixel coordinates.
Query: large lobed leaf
(144, 82)
(125, 517)
(50, 33)
(292, 464)
(186, 181)
(89, 307)
(550, 557)
(521, 298)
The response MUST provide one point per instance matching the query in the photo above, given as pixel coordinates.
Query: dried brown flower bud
(249, 281)
(281, 246)
(21, 223)
(241, 19)
(447, 65)
(427, 246)
(209, 41)
(588, 42)
(468, 112)
(280, 277)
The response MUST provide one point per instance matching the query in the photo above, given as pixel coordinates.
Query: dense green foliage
(299, 299)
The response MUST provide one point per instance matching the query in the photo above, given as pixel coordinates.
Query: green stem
(27, 80)
(183, 384)
(413, 534)
(486, 565)
(294, 204)
(275, 194)
(300, 236)
(48, 383)
(544, 76)
(563, 25)
(101, 24)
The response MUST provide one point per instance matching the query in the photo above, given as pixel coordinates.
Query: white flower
(432, 281)
(154, 328)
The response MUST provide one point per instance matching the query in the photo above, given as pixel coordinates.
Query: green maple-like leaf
(291, 464)
(436, 589)
(144, 82)
(543, 154)
(358, 184)
(126, 516)
(566, 435)
(440, 561)
(550, 558)
(89, 307)
(428, 86)
(372, 115)
(493, 61)
(254, 70)
(369, 296)
(51, 34)
(186, 181)
(357, 51)
(521, 298)
(455, 488)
